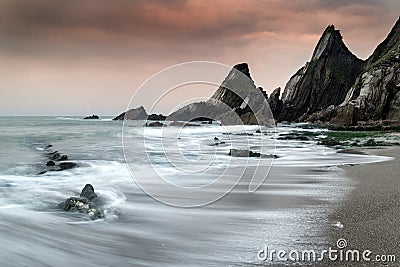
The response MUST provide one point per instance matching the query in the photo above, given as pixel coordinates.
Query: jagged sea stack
(225, 93)
(376, 93)
(324, 81)
(236, 101)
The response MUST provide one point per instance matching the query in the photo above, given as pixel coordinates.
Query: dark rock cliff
(324, 81)
(388, 46)
(376, 92)
(338, 88)
(275, 103)
(227, 92)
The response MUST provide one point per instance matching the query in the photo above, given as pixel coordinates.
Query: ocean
(147, 223)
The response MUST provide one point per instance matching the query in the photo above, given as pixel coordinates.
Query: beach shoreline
(367, 216)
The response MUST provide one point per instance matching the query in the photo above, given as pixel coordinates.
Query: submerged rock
(183, 124)
(243, 153)
(87, 203)
(50, 163)
(54, 155)
(249, 153)
(351, 151)
(156, 117)
(218, 143)
(56, 161)
(329, 143)
(155, 124)
(293, 137)
(63, 157)
(299, 136)
(67, 165)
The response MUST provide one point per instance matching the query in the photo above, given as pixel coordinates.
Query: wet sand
(370, 213)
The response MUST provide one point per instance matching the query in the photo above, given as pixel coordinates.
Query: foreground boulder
(87, 203)
(88, 192)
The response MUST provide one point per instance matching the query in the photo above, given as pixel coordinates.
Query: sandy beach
(369, 213)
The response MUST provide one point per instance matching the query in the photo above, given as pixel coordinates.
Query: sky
(78, 57)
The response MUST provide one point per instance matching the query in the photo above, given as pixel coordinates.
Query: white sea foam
(137, 230)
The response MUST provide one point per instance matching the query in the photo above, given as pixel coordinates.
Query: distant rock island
(133, 114)
(335, 88)
(139, 114)
(93, 117)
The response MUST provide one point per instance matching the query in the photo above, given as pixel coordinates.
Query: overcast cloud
(81, 57)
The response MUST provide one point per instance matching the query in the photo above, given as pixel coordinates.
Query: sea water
(289, 211)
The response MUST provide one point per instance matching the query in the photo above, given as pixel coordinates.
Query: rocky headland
(335, 88)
